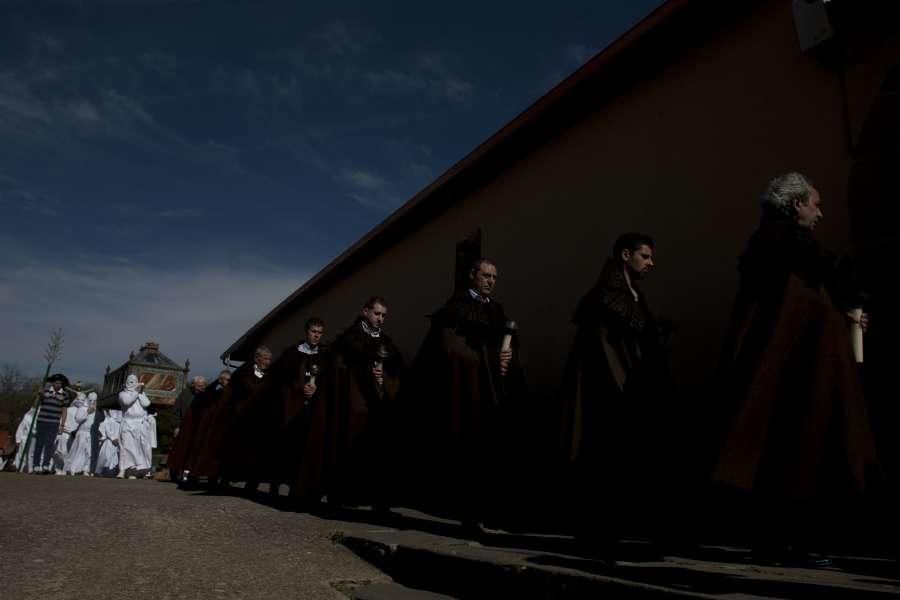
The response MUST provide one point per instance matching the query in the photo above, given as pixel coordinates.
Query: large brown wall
(682, 155)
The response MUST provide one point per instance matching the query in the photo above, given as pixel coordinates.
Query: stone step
(469, 569)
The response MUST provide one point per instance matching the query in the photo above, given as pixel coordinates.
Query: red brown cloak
(238, 436)
(463, 417)
(798, 426)
(299, 424)
(202, 460)
(360, 422)
(614, 384)
(184, 441)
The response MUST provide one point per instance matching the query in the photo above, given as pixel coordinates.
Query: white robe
(65, 438)
(21, 434)
(108, 455)
(78, 460)
(135, 439)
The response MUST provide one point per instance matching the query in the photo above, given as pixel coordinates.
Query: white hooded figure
(108, 454)
(78, 460)
(135, 438)
(21, 434)
(69, 426)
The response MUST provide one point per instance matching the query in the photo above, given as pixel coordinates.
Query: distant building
(674, 130)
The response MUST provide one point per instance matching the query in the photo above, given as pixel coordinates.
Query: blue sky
(170, 170)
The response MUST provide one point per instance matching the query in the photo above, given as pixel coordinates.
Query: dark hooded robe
(202, 458)
(189, 420)
(796, 421)
(614, 388)
(361, 417)
(298, 453)
(464, 417)
(238, 436)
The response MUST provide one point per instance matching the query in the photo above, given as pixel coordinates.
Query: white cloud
(580, 53)
(109, 307)
(341, 38)
(428, 72)
(45, 41)
(76, 120)
(84, 112)
(181, 213)
(15, 197)
(364, 180)
(369, 189)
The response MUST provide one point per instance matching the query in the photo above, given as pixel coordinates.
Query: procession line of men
(124, 438)
(455, 432)
(351, 422)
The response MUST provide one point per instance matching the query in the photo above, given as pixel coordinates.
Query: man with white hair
(135, 438)
(797, 434)
(244, 423)
(78, 460)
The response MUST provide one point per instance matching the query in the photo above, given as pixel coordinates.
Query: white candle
(856, 334)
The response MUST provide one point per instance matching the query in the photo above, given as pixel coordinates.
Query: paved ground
(73, 537)
(68, 537)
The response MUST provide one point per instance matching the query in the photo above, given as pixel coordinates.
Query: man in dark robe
(201, 460)
(613, 391)
(466, 408)
(185, 425)
(797, 434)
(299, 417)
(238, 436)
(363, 385)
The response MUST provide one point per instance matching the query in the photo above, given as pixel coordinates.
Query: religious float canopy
(162, 377)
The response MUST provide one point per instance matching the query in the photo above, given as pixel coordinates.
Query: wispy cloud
(181, 213)
(47, 42)
(109, 307)
(570, 57)
(16, 197)
(363, 180)
(130, 210)
(368, 188)
(342, 38)
(428, 72)
(580, 53)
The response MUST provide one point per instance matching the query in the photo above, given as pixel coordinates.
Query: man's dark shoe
(188, 483)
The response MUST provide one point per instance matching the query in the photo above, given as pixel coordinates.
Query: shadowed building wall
(674, 131)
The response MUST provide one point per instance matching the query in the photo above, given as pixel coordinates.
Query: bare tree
(11, 379)
(16, 394)
(54, 348)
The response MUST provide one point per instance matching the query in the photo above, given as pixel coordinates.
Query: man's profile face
(376, 315)
(484, 279)
(314, 335)
(224, 378)
(809, 212)
(263, 361)
(639, 261)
